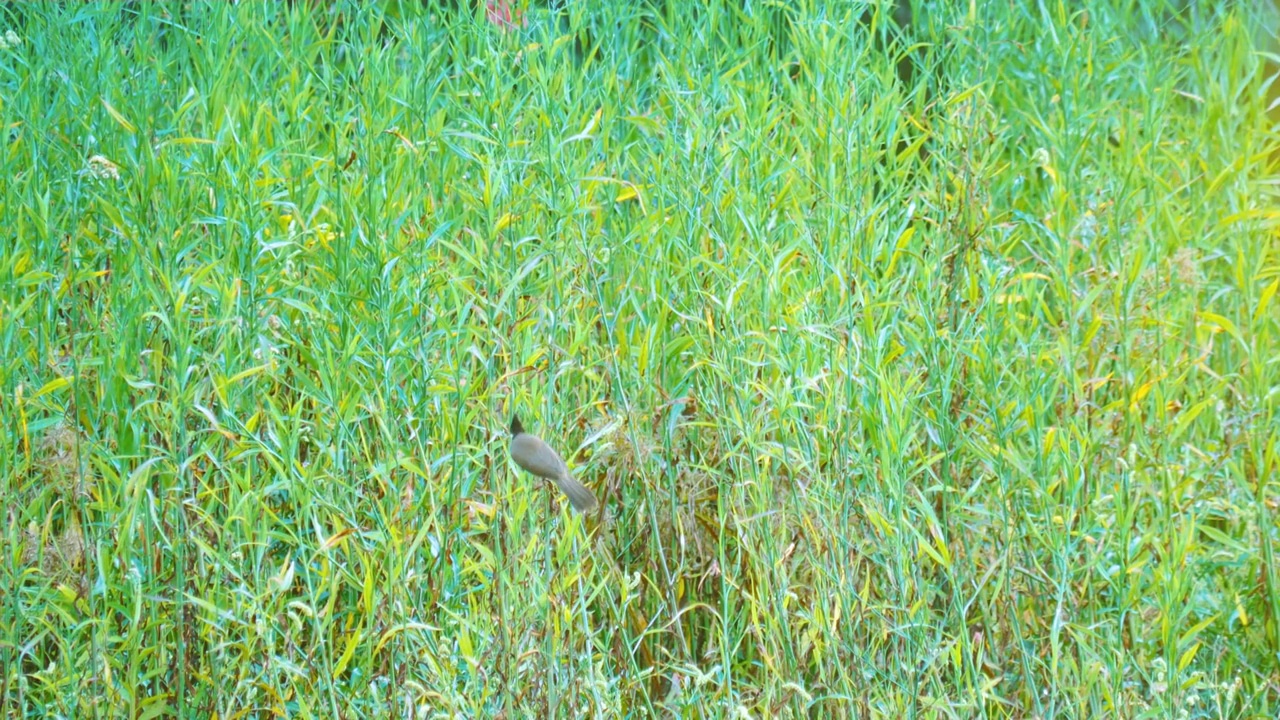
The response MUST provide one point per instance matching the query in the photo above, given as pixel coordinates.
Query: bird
(537, 458)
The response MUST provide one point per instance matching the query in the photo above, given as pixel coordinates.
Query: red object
(499, 13)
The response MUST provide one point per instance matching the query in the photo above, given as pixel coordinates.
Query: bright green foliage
(942, 394)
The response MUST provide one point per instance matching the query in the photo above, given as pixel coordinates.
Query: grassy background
(950, 394)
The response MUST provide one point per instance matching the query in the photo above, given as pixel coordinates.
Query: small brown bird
(538, 458)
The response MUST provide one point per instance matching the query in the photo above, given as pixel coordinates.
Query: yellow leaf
(336, 540)
(353, 641)
(406, 142)
(913, 148)
(1049, 436)
(53, 386)
(1188, 656)
(187, 141)
(115, 115)
(243, 374)
(464, 644)
(728, 74)
(961, 96)
(67, 592)
(386, 636)
(1223, 324)
(903, 239)
(585, 134)
(930, 551)
(1143, 391)
(1267, 293)
(504, 222)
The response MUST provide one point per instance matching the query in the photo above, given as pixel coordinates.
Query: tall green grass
(946, 395)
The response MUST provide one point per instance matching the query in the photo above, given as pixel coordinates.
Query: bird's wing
(537, 457)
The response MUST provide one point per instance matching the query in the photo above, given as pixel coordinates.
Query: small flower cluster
(100, 168)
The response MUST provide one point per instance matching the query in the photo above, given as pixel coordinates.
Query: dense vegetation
(925, 368)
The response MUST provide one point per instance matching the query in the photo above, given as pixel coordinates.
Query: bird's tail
(582, 499)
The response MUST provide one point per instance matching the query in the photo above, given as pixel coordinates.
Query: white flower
(100, 168)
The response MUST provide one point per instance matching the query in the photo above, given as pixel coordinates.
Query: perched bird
(538, 458)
